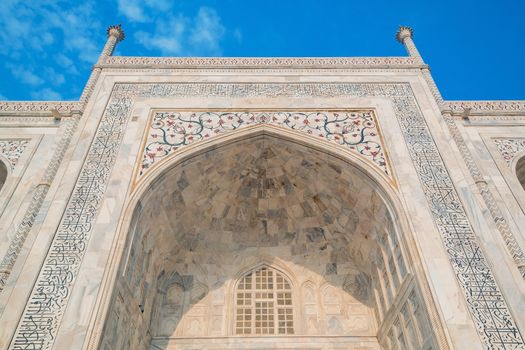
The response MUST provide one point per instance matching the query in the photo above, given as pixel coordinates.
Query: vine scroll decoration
(171, 130)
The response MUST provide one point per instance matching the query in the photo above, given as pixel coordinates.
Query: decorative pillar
(69, 126)
(115, 35)
(404, 36)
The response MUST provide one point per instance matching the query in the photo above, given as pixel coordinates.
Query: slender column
(115, 35)
(404, 35)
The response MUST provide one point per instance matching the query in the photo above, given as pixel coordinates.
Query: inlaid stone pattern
(39, 324)
(171, 130)
(12, 150)
(508, 148)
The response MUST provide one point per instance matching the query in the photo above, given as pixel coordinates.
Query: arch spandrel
(168, 131)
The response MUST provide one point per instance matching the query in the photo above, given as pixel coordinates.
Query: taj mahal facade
(262, 203)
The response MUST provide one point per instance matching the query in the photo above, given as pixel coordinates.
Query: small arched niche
(298, 214)
(520, 171)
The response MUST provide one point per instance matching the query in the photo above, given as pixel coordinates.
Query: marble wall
(353, 271)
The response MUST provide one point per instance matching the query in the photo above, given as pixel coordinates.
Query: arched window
(263, 303)
(3, 174)
(520, 171)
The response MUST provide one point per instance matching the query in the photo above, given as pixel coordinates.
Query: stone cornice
(44, 108)
(486, 107)
(259, 62)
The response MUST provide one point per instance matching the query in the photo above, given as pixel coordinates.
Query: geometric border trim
(40, 321)
(259, 62)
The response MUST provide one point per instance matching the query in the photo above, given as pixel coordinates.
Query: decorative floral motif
(509, 148)
(172, 130)
(12, 150)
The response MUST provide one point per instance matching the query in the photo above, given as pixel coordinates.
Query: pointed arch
(167, 180)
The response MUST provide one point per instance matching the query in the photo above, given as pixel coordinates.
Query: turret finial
(116, 31)
(404, 32)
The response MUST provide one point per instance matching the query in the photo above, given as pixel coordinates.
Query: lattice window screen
(264, 303)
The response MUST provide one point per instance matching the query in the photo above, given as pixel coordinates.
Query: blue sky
(475, 49)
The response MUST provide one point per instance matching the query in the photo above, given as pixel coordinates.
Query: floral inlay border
(508, 148)
(170, 130)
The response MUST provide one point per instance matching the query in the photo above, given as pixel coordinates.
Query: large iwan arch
(273, 197)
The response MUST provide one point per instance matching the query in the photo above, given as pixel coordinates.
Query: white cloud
(24, 75)
(54, 77)
(66, 63)
(46, 94)
(36, 25)
(33, 31)
(133, 10)
(182, 35)
(237, 34)
(167, 37)
(138, 10)
(160, 5)
(80, 27)
(208, 30)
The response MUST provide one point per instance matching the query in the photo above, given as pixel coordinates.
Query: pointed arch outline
(137, 194)
(160, 166)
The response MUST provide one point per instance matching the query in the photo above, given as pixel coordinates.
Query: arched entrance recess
(233, 223)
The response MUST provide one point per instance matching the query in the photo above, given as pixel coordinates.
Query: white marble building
(262, 203)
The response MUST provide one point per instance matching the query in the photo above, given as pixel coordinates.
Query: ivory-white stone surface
(228, 242)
